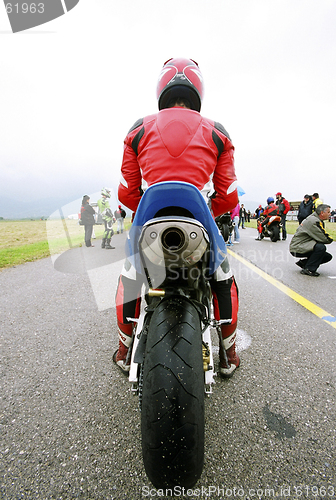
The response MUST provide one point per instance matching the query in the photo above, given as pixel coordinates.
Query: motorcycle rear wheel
(275, 236)
(172, 415)
(225, 232)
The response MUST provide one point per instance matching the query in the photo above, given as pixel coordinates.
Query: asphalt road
(70, 428)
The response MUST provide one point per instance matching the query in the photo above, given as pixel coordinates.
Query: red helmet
(180, 77)
(278, 194)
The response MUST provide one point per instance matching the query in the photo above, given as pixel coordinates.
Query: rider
(269, 210)
(178, 144)
(108, 218)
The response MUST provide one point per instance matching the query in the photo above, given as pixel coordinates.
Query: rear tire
(225, 232)
(275, 234)
(172, 416)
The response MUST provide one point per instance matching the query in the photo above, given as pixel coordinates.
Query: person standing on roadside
(305, 208)
(284, 208)
(108, 218)
(316, 201)
(310, 240)
(242, 216)
(258, 211)
(248, 215)
(120, 215)
(87, 218)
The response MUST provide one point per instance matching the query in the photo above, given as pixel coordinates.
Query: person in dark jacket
(242, 216)
(88, 220)
(258, 211)
(305, 208)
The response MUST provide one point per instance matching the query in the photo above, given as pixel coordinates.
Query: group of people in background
(309, 205)
(88, 216)
(308, 243)
(310, 239)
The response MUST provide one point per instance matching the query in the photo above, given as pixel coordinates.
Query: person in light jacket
(310, 240)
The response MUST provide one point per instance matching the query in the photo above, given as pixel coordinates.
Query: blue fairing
(178, 194)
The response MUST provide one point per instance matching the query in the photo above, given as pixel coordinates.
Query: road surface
(70, 428)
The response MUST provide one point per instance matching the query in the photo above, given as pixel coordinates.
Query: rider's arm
(129, 191)
(224, 179)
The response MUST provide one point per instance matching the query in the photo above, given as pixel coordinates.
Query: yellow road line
(320, 313)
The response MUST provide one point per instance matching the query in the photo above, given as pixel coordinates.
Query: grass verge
(26, 241)
(25, 253)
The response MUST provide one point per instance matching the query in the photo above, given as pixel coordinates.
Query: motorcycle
(175, 243)
(271, 229)
(225, 225)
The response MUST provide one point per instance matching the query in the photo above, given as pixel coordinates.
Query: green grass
(26, 241)
(24, 253)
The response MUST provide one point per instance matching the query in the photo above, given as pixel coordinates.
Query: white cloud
(73, 88)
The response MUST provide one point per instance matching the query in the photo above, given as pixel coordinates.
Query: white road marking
(243, 342)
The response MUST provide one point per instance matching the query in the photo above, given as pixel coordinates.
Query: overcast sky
(71, 89)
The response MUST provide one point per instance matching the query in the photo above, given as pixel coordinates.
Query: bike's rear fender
(140, 339)
(274, 218)
(179, 194)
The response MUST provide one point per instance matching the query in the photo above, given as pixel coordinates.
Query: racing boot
(228, 358)
(122, 357)
(259, 229)
(108, 244)
(103, 242)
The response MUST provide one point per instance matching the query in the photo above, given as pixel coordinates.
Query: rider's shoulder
(218, 127)
(136, 125)
(142, 122)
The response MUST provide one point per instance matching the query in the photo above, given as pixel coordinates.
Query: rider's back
(178, 144)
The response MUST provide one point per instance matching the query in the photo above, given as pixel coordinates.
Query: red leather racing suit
(178, 144)
(271, 209)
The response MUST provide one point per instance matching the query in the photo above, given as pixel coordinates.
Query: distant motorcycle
(271, 229)
(225, 225)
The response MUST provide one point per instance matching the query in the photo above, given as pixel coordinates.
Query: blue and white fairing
(177, 194)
